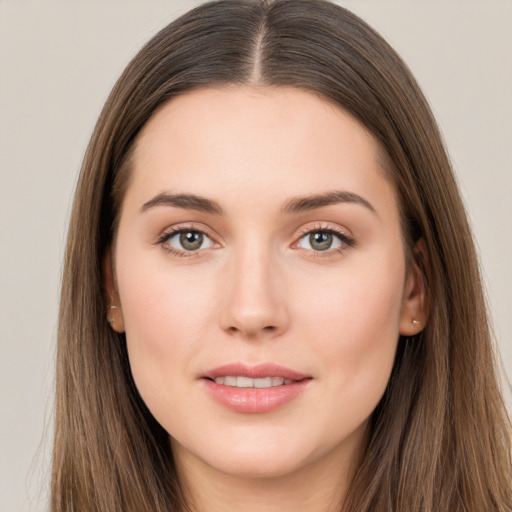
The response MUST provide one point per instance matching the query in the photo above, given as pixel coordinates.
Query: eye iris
(320, 240)
(191, 240)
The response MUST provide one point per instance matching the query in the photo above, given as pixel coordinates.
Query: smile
(245, 388)
(241, 381)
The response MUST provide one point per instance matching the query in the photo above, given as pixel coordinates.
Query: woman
(271, 299)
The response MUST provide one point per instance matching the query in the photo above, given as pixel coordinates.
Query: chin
(258, 466)
(246, 456)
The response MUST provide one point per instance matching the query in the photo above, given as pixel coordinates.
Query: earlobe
(114, 311)
(415, 301)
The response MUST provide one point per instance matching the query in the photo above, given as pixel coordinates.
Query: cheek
(166, 319)
(355, 322)
(159, 300)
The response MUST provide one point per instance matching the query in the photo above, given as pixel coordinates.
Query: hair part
(440, 437)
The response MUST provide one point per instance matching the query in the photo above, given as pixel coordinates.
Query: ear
(114, 311)
(415, 300)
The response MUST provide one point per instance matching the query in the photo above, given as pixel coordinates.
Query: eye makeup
(320, 239)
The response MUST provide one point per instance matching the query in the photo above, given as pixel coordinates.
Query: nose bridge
(255, 299)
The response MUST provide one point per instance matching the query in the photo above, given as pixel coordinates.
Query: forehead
(272, 142)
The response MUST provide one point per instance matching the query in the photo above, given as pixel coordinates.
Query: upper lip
(258, 371)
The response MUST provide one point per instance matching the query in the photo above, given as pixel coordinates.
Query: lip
(255, 400)
(254, 371)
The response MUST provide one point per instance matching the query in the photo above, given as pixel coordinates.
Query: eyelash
(167, 235)
(345, 240)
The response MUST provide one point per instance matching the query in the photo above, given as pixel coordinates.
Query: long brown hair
(439, 439)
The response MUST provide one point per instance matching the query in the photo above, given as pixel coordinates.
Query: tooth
(265, 382)
(230, 381)
(244, 382)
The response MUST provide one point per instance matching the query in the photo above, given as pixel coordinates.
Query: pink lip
(255, 400)
(255, 372)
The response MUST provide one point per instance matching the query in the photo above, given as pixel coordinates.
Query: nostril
(270, 329)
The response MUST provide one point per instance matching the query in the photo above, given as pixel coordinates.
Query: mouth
(241, 381)
(254, 389)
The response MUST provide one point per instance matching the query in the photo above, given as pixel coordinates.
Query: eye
(321, 240)
(186, 240)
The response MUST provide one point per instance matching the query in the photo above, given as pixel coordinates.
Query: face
(261, 278)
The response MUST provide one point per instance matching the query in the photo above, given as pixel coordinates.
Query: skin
(258, 291)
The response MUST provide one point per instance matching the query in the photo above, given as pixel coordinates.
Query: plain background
(58, 62)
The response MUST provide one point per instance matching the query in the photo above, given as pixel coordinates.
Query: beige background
(58, 61)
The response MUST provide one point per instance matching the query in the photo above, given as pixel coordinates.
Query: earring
(416, 323)
(111, 318)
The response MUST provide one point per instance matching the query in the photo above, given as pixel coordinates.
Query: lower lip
(255, 400)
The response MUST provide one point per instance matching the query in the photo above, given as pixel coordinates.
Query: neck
(317, 487)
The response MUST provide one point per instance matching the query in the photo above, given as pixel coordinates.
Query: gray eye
(191, 240)
(320, 240)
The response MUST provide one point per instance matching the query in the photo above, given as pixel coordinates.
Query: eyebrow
(185, 201)
(294, 205)
(305, 203)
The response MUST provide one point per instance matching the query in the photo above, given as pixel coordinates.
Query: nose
(254, 303)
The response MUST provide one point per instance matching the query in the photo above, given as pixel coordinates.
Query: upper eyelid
(179, 228)
(324, 226)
